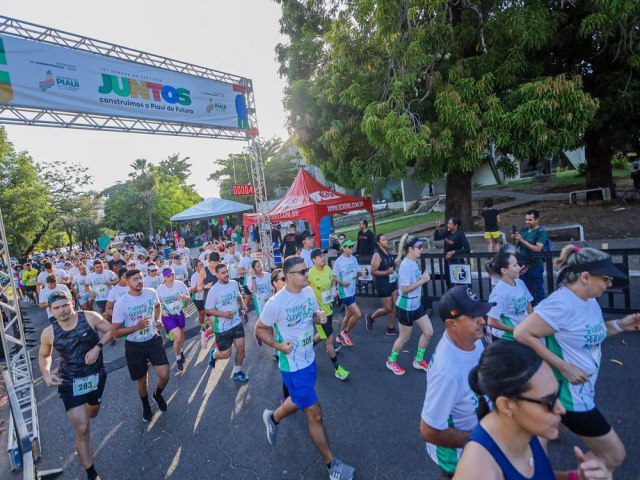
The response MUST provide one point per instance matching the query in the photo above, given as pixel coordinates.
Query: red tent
(309, 200)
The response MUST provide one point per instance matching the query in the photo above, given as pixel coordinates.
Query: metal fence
(622, 297)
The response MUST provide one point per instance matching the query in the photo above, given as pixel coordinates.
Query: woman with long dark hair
(455, 244)
(509, 442)
(385, 276)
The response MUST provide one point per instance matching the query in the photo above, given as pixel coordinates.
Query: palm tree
(145, 181)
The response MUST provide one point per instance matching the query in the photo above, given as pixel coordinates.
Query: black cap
(462, 300)
(316, 253)
(122, 271)
(306, 234)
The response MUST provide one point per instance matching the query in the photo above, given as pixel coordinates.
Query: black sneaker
(392, 331)
(162, 405)
(368, 322)
(146, 413)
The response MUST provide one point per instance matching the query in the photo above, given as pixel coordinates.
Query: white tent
(211, 208)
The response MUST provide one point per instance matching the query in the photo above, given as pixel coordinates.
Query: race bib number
(306, 341)
(393, 277)
(101, 290)
(327, 297)
(175, 307)
(82, 386)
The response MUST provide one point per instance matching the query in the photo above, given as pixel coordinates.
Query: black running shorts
(140, 354)
(406, 317)
(224, 340)
(586, 424)
(92, 398)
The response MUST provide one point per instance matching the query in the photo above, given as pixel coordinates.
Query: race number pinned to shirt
(175, 308)
(82, 386)
(393, 277)
(327, 297)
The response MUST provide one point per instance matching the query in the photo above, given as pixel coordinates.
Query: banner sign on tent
(41, 75)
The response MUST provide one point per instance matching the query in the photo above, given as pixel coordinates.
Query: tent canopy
(309, 200)
(210, 208)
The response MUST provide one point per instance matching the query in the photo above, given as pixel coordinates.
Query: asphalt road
(214, 429)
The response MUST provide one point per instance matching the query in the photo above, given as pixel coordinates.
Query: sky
(234, 36)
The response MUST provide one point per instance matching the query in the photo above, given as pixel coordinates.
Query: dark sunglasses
(549, 401)
(280, 279)
(302, 272)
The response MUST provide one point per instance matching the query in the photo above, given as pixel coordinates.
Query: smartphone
(514, 229)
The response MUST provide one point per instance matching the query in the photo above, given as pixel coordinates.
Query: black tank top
(386, 262)
(72, 346)
(210, 277)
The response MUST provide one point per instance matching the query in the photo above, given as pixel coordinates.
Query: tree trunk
(458, 203)
(35, 241)
(599, 170)
(150, 215)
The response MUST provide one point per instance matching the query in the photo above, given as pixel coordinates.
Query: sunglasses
(280, 279)
(302, 272)
(549, 401)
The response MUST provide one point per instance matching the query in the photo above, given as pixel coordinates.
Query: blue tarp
(211, 208)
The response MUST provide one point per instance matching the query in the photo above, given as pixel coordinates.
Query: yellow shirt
(320, 282)
(29, 277)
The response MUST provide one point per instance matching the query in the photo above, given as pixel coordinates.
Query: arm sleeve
(439, 234)
(551, 310)
(372, 242)
(211, 299)
(269, 314)
(441, 396)
(465, 248)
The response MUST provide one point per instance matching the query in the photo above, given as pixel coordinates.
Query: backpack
(547, 246)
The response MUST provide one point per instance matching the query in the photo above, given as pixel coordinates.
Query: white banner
(35, 74)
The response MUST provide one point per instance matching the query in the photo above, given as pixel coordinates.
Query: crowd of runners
(505, 377)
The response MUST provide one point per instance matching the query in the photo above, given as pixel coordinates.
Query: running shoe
(169, 337)
(179, 366)
(341, 373)
(421, 365)
(272, 428)
(182, 357)
(203, 339)
(146, 413)
(392, 331)
(240, 377)
(346, 336)
(159, 399)
(395, 368)
(368, 322)
(337, 346)
(340, 470)
(340, 340)
(212, 358)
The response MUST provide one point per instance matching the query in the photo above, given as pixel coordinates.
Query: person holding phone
(455, 244)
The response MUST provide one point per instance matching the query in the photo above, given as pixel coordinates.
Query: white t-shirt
(409, 273)
(580, 330)
(129, 310)
(224, 298)
(182, 273)
(98, 283)
(153, 282)
(186, 254)
(73, 272)
(46, 291)
(58, 272)
(511, 306)
(232, 261)
(291, 316)
(194, 284)
(116, 292)
(142, 267)
(345, 269)
(204, 256)
(171, 300)
(306, 256)
(449, 401)
(79, 282)
(245, 264)
(263, 285)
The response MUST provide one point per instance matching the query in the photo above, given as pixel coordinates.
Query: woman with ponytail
(571, 322)
(511, 296)
(409, 304)
(506, 444)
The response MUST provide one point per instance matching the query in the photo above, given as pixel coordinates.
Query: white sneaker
(203, 339)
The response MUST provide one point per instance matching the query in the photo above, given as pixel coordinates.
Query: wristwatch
(100, 345)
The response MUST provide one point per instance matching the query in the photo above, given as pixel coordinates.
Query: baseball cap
(315, 253)
(348, 243)
(59, 295)
(599, 267)
(306, 234)
(113, 250)
(415, 242)
(462, 300)
(152, 266)
(167, 272)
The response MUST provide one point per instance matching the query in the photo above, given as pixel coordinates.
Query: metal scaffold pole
(14, 344)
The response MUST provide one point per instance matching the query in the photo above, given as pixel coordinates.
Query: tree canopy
(380, 88)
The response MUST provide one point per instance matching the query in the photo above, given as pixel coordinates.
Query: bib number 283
(82, 386)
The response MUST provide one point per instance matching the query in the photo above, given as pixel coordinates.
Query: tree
(175, 166)
(145, 181)
(426, 86)
(24, 199)
(279, 170)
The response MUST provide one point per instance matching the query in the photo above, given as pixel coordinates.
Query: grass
(567, 177)
(403, 221)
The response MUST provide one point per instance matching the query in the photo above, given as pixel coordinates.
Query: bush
(620, 162)
(582, 169)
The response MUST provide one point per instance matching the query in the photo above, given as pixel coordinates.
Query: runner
(449, 410)
(224, 304)
(409, 303)
(180, 269)
(383, 269)
(79, 282)
(206, 280)
(99, 282)
(307, 243)
(29, 279)
(232, 259)
(290, 242)
(198, 301)
(345, 271)
(292, 313)
(511, 296)
(49, 269)
(81, 376)
(322, 281)
(114, 294)
(572, 321)
(152, 280)
(260, 286)
(244, 269)
(173, 295)
(50, 287)
(136, 315)
(141, 264)
(185, 253)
